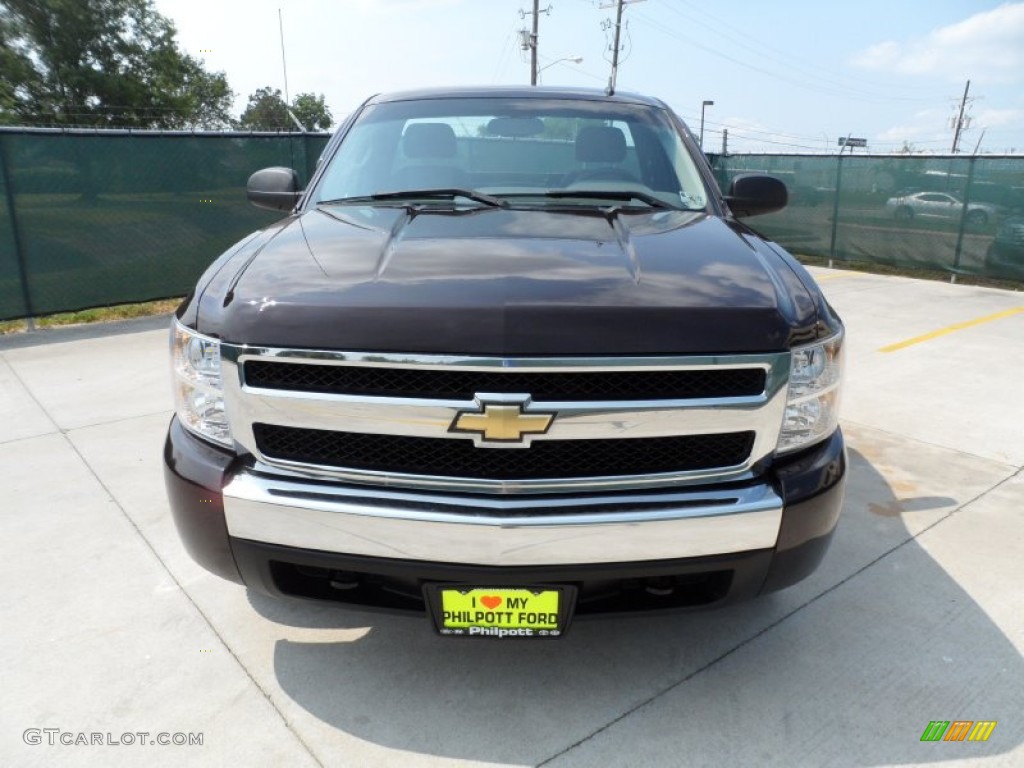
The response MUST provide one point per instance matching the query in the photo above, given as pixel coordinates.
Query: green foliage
(267, 111)
(206, 96)
(312, 111)
(103, 63)
(564, 128)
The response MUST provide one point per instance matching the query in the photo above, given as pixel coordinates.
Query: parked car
(940, 205)
(1005, 255)
(509, 357)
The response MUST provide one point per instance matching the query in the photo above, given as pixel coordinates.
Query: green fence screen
(107, 217)
(93, 218)
(958, 214)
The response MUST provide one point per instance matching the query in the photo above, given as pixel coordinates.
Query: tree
(267, 111)
(564, 128)
(106, 63)
(312, 111)
(207, 99)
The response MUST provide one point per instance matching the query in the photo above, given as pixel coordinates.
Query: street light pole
(573, 59)
(703, 105)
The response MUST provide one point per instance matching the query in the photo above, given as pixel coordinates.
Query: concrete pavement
(916, 614)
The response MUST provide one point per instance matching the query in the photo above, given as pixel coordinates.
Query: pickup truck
(510, 357)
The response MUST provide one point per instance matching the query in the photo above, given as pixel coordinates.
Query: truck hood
(509, 282)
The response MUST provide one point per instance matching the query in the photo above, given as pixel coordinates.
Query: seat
(426, 144)
(600, 144)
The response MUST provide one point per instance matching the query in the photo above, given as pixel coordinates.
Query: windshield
(521, 151)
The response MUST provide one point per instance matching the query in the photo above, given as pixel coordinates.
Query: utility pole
(725, 142)
(284, 63)
(978, 145)
(615, 46)
(528, 40)
(533, 42)
(958, 127)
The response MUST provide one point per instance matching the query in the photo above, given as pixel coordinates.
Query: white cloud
(987, 45)
(994, 118)
(926, 125)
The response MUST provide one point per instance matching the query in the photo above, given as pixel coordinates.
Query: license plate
(501, 612)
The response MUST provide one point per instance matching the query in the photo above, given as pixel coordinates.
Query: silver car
(940, 205)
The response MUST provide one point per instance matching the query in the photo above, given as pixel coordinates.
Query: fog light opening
(661, 586)
(343, 580)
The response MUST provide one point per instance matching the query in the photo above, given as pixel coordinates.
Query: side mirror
(276, 189)
(752, 194)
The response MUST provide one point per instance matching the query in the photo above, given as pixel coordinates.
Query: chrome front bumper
(501, 531)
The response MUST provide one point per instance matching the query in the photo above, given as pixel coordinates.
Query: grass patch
(95, 315)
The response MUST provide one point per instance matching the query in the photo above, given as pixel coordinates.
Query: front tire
(977, 218)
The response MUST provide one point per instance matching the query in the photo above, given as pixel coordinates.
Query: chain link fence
(963, 215)
(94, 218)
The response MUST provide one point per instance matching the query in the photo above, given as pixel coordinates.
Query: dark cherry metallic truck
(511, 356)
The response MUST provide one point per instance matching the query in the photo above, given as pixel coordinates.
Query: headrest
(428, 140)
(601, 144)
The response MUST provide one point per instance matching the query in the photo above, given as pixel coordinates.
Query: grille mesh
(444, 383)
(450, 457)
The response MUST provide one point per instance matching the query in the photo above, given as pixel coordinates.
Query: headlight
(812, 406)
(198, 390)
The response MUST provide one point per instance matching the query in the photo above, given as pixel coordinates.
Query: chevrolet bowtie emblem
(502, 422)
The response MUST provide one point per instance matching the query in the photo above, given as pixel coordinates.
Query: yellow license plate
(501, 612)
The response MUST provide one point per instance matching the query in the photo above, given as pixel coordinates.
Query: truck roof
(515, 91)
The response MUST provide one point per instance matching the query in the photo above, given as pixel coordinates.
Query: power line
(805, 141)
(806, 67)
(845, 92)
(505, 50)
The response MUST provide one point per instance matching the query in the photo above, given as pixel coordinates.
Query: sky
(785, 76)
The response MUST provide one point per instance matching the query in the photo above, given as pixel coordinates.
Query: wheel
(977, 217)
(905, 213)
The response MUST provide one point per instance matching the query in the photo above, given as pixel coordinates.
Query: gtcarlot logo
(958, 730)
(58, 736)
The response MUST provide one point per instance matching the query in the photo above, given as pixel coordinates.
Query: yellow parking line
(951, 328)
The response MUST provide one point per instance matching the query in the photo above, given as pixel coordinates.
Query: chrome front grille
(616, 423)
(444, 383)
(545, 459)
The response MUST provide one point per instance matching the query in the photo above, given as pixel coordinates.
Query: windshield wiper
(447, 193)
(618, 194)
